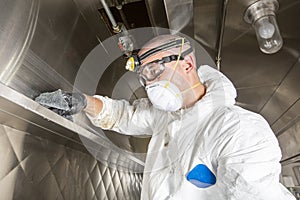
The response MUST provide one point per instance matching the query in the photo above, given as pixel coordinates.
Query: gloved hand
(63, 103)
(76, 102)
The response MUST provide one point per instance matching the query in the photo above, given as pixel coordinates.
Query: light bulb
(261, 14)
(266, 29)
(268, 35)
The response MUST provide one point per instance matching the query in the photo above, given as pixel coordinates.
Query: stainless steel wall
(44, 42)
(35, 168)
(42, 45)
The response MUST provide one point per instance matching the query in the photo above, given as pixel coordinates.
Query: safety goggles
(152, 70)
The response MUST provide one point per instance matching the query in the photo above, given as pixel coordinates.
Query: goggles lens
(152, 70)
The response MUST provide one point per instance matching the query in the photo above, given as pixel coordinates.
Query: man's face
(171, 72)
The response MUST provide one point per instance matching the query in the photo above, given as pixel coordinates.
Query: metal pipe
(221, 34)
(123, 17)
(119, 6)
(109, 14)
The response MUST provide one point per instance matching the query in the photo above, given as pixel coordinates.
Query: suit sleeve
(120, 116)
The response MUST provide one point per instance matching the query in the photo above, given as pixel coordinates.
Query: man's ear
(189, 63)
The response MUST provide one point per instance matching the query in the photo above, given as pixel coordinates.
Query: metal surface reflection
(44, 42)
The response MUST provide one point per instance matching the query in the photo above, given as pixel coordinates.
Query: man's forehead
(162, 46)
(165, 43)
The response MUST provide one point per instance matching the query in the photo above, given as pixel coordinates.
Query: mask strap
(175, 66)
(186, 90)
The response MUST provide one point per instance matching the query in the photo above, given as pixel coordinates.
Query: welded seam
(221, 34)
(290, 124)
(276, 89)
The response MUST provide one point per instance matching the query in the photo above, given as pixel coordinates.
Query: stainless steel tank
(43, 43)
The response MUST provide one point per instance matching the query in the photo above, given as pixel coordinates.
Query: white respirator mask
(165, 95)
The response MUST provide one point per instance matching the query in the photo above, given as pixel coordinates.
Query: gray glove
(76, 102)
(63, 103)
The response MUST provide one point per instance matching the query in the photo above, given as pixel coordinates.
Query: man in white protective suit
(203, 146)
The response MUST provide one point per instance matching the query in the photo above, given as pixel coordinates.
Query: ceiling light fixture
(261, 15)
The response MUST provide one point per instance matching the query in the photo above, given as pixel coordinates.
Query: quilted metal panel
(35, 168)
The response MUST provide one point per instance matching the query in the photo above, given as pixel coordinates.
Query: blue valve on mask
(201, 176)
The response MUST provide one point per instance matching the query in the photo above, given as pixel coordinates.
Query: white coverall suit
(237, 145)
